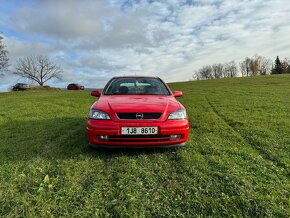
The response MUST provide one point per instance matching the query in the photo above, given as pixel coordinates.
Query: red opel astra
(137, 112)
(75, 86)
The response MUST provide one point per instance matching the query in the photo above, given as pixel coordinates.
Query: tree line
(254, 66)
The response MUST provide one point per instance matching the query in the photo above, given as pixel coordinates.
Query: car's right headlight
(178, 115)
(98, 115)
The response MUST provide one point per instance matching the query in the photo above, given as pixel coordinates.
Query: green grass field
(236, 163)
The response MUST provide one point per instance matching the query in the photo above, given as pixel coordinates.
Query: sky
(95, 40)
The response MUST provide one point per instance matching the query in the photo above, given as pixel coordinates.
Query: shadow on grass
(58, 138)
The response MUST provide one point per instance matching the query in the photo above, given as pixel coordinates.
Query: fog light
(103, 137)
(175, 137)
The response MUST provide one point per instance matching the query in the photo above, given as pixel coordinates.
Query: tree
(3, 56)
(288, 65)
(217, 70)
(278, 69)
(245, 67)
(205, 72)
(255, 66)
(285, 65)
(37, 68)
(230, 69)
(265, 65)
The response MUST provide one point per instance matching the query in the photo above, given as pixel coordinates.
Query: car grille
(139, 138)
(133, 116)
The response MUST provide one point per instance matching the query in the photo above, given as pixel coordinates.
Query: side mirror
(177, 94)
(95, 93)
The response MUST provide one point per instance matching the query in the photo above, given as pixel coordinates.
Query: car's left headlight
(178, 115)
(98, 115)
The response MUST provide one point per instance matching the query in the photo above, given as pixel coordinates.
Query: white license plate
(139, 130)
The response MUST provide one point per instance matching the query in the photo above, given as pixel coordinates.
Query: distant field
(236, 162)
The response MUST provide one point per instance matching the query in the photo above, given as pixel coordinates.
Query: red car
(75, 86)
(137, 112)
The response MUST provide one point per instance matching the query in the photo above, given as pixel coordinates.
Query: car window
(135, 86)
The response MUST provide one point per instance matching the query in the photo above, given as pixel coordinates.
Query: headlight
(98, 115)
(178, 115)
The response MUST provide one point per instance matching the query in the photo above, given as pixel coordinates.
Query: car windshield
(136, 86)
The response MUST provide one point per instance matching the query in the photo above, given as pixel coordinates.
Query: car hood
(137, 103)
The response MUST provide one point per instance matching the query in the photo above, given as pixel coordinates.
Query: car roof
(135, 76)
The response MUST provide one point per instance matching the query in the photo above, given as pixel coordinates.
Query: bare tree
(37, 68)
(217, 70)
(265, 65)
(230, 69)
(245, 67)
(205, 72)
(3, 56)
(196, 76)
(285, 65)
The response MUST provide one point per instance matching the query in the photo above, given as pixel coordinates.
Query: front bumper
(112, 130)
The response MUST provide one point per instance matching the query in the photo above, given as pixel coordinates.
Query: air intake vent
(139, 116)
(139, 138)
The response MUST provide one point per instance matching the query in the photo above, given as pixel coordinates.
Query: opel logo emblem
(139, 116)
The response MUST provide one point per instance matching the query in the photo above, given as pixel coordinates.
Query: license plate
(139, 130)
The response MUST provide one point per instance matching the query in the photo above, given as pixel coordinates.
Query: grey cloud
(60, 19)
(96, 62)
(18, 49)
(82, 24)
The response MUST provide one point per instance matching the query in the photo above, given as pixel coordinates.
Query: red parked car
(137, 112)
(75, 86)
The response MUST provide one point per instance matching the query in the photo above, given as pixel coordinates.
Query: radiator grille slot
(139, 138)
(137, 116)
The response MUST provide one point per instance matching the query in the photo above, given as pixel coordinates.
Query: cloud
(60, 19)
(94, 40)
(18, 48)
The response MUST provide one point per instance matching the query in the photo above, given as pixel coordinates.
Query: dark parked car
(75, 86)
(20, 87)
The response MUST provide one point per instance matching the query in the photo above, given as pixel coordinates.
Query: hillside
(236, 162)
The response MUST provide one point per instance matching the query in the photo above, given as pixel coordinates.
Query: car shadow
(58, 138)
